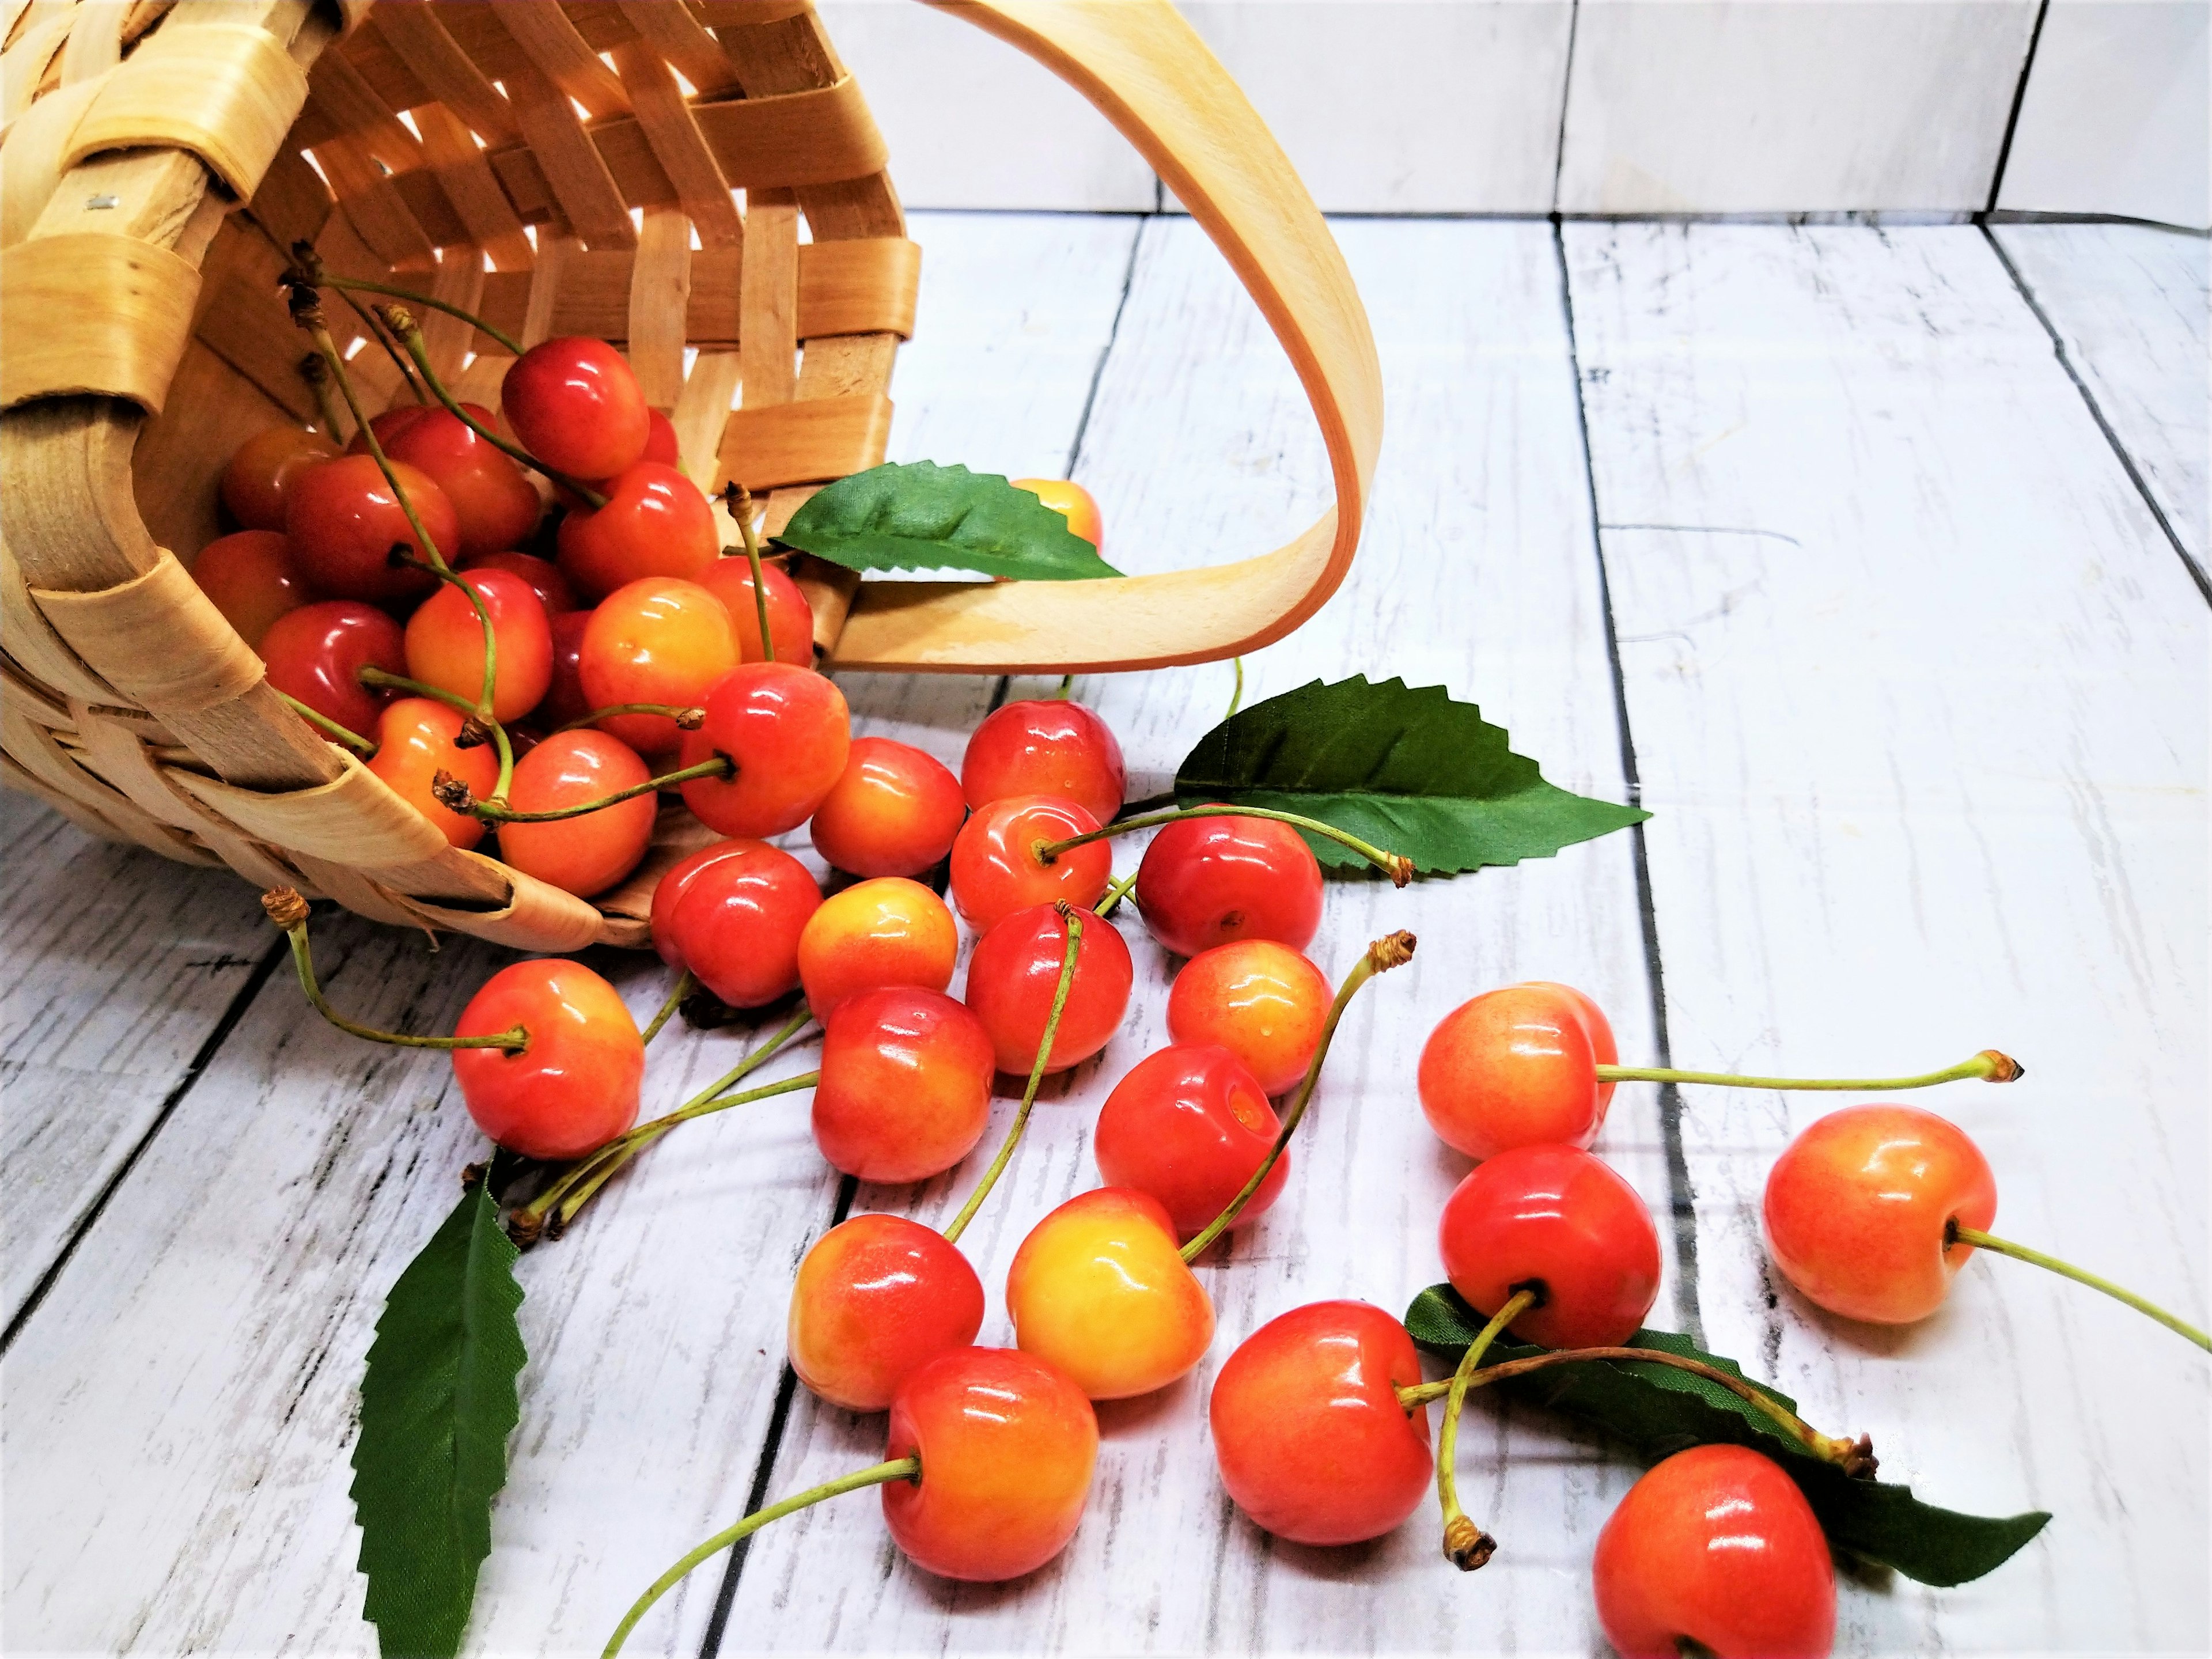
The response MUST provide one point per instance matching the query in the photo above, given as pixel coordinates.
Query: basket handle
(1150, 75)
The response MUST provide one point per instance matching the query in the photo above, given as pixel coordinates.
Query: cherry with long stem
(739, 501)
(1989, 1066)
(384, 679)
(317, 373)
(1398, 868)
(687, 720)
(1954, 1233)
(285, 908)
(1236, 696)
(686, 982)
(1115, 892)
(455, 796)
(1467, 1546)
(1384, 954)
(330, 727)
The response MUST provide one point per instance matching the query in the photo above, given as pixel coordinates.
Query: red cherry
(574, 1087)
(655, 523)
(414, 743)
(575, 406)
(893, 812)
(494, 504)
(1858, 1208)
(387, 426)
(668, 892)
(251, 579)
(656, 641)
(995, 868)
(316, 653)
(261, 470)
(544, 576)
(1190, 1125)
(890, 931)
(1047, 746)
(877, 1299)
(445, 643)
(1556, 1218)
(1312, 1441)
(1208, 881)
(591, 853)
(660, 443)
(738, 923)
(1099, 1288)
(1262, 1001)
(786, 730)
(906, 1085)
(790, 618)
(1514, 1067)
(1007, 1444)
(565, 702)
(1015, 971)
(344, 520)
(1716, 1551)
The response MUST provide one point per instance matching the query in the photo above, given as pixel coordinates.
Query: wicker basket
(547, 166)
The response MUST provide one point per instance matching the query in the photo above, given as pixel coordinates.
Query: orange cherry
(995, 868)
(1513, 1068)
(574, 1086)
(414, 743)
(588, 853)
(446, 642)
(890, 931)
(906, 1085)
(251, 578)
(787, 730)
(790, 618)
(1100, 1290)
(660, 640)
(893, 812)
(1072, 502)
(1261, 1001)
(261, 470)
(877, 1299)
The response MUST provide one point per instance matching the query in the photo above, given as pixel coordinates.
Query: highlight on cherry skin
(894, 810)
(1045, 746)
(995, 869)
(260, 472)
(878, 1297)
(574, 1085)
(905, 1091)
(888, 930)
(1014, 971)
(1263, 1001)
(1210, 881)
(496, 506)
(669, 891)
(316, 653)
(1190, 1125)
(654, 524)
(343, 520)
(576, 406)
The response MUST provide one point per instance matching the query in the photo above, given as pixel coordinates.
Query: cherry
(415, 742)
(1311, 1439)
(588, 853)
(787, 733)
(893, 812)
(995, 868)
(1045, 747)
(260, 472)
(575, 406)
(790, 618)
(1072, 502)
(890, 931)
(1006, 1444)
(668, 892)
(655, 523)
(1561, 1222)
(660, 444)
(387, 427)
(574, 1086)
(565, 703)
(316, 654)
(1715, 1550)
(876, 1298)
(1099, 1288)
(1209, 881)
(905, 1091)
(1515, 1068)
(344, 521)
(544, 576)
(658, 640)
(251, 578)
(1190, 1125)
(738, 923)
(1014, 972)
(496, 505)
(1262, 1001)
(446, 642)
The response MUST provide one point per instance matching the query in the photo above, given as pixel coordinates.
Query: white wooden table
(1892, 615)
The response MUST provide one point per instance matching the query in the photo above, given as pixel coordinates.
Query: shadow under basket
(638, 171)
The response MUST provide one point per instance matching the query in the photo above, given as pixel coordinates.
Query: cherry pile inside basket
(401, 595)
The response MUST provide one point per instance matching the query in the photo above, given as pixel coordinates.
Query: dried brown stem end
(1394, 951)
(473, 734)
(452, 792)
(284, 907)
(2004, 1069)
(1466, 1547)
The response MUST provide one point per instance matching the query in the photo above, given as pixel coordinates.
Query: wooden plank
(1478, 572)
(2130, 304)
(179, 1413)
(1920, 696)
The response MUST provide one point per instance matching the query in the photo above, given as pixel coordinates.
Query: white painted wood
(2117, 116)
(972, 123)
(1478, 572)
(1754, 106)
(2132, 305)
(176, 1418)
(1920, 697)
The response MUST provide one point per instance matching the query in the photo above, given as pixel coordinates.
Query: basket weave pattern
(548, 166)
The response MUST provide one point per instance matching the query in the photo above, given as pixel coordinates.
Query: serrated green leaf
(1657, 1411)
(921, 516)
(1406, 768)
(437, 1404)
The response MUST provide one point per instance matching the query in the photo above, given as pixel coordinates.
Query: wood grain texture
(1920, 695)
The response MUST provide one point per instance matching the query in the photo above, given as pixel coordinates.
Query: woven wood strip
(113, 314)
(227, 94)
(536, 916)
(113, 751)
(550, 38)
(25, 63)
(576, 177)
(459, 282)
(660, 298)
(767, 301)
(358, 892)
(809, 442)
(33, 165)
(43, 655)
(95, 42)
(449, 74)
(157, 639)
(678, 145)
(864, 286)
(28, 783)
(701, 413)
(684, 42)
(34, 701)
(35, 748)
(357, 819)
(466, 180)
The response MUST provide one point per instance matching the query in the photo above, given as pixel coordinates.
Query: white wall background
(1601, 106)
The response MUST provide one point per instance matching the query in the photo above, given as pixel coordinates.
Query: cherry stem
(1955, 1234)
(1398, 868)
(882, 1475)
(455, 795)
(1382, 956)
(1115, 893)
(1855, 1457)
(685, 984)
(317, 373)
(351, 739)
(1989, 1066)
(1066, 688)
(370, 674)
(474, 321)
(739, 501)
(284, 907)
(1072, 921)
(374, 328)
(1236, 696)
(1467, 1546)
(687, 720)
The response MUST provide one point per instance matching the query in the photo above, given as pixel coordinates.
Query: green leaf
(1407, 769)
(921, 516)
(1657, 1411)
(437, 1404)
